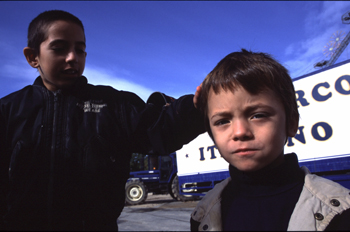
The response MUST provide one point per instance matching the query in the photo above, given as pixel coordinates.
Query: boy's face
(249, 130)
(62, 55)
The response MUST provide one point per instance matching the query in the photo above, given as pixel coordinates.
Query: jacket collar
(287, 172)
(81, 82)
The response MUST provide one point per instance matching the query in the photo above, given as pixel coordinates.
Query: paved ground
(158, 213)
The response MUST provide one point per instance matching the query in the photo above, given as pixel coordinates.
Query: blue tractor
(153, 174)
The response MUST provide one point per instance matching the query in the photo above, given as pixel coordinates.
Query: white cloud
(319, 25)
(19, 73)
(103, 77)
(20, 70)
(333, 10)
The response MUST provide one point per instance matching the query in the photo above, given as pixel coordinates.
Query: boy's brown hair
(255, 72)
(38, 26)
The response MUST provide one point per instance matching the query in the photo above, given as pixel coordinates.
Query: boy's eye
(259, 115)
(57, 49)
(221, 122)
(80, 51)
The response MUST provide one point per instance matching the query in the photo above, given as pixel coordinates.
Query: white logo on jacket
(92, 106)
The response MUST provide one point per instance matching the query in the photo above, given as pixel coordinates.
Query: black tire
(175, 189)
(171, 190)
(135, 192)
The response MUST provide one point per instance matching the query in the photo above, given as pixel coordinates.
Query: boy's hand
(197, 95)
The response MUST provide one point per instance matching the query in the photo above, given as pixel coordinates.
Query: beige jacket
(319, 201)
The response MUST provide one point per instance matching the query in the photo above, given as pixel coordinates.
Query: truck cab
(151, 173)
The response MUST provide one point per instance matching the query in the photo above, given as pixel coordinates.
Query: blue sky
(170, 46)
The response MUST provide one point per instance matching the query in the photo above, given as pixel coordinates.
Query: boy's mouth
(70, 71)
(245, 151)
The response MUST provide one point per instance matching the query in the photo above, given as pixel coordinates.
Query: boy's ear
(31, 57)
(292, 128)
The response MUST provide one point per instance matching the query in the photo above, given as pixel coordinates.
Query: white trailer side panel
(324, 107)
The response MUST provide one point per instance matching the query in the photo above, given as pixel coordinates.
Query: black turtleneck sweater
(262, 200)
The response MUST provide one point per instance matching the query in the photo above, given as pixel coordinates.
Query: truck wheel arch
(175, 191)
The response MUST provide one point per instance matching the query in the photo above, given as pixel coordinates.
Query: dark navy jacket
(65, 156)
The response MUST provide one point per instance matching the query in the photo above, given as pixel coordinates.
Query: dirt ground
(158, 213)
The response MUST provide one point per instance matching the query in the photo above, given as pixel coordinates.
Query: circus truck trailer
(322, 141)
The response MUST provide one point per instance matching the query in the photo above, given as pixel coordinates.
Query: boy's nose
(72, 57)
(241, 130)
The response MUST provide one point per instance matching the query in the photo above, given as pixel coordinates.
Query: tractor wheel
(135, 192)
(175, 189)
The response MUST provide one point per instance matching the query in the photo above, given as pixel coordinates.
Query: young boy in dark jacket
(65, 145)
(250, 110)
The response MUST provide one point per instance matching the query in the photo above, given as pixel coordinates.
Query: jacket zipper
(52, 160)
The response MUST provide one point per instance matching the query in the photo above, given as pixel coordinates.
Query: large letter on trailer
(339, 86)
(317, 95)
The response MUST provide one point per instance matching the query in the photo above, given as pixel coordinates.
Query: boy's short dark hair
(39, 25)
(255, 72)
